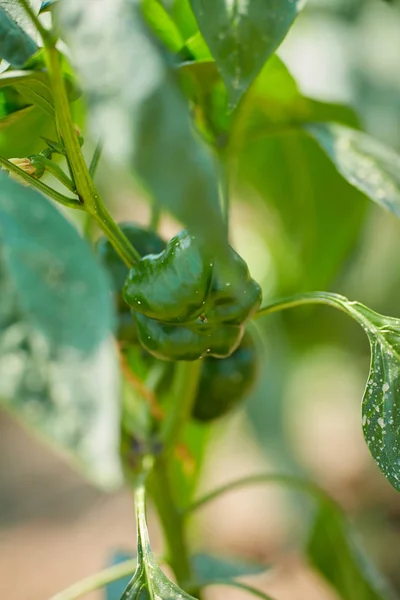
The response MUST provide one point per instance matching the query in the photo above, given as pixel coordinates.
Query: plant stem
(172, 522)
(85, 187)
(58, 173)
(155, 215)
(184, 390)
(335, 300)
(99, 580)
(291, 481)
(46, 35)
(39, 185)
(95, 160)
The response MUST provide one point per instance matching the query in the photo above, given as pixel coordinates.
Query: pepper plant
(123, 348)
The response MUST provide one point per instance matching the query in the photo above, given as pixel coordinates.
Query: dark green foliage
(16, 47)
(224, 383)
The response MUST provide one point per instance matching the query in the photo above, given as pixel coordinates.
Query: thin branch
(39, 185)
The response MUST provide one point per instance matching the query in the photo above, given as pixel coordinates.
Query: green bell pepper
(224, 383)
(171, 286)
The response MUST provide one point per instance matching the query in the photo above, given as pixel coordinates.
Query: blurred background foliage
(301, 227)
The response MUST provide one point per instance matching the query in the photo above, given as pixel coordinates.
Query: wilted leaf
(242, 35)
(366, 163)
(57, 364)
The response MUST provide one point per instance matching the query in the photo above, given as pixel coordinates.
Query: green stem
(184, 390)
(172, 522)
(97, 581)
(155, 215)
(85, 187)
(46, 35)
(183, 393)
(335, 300)
(39, 185)
(58, 173)
(245, 587)
(225, 193)
(297, 483)
(95, 160)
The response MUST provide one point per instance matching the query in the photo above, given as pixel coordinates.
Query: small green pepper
(224, 383)
(187, 341)
(171, 286)
(234, 304)
(146, 242)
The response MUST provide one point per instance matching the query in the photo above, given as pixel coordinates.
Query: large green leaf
(334, 551)
(57, 362)
(306, 199)
(381, 400)
(242, 35)
(140, 112)
(366, 163)
(162, 24)
(16, 46)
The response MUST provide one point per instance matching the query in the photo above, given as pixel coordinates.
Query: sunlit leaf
(162, 24)
(57, 364)
(140, 112)
(365, 162)
(334, 551)
(16, 46)
(242, 35)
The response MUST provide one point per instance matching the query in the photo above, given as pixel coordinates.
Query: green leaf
(33, 85)
(162, 24)
(20, 132)
(210, 569)
(46, 6)
(18, 14)
(57, 367)
(242, 36)
(305, 199)
(335, 552)
(114, 589)
(16, 46)
(149, 582)
(141, 113)
(381, 401)
(366, 163)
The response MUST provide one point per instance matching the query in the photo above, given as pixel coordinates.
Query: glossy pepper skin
(146, 242)
(171, 286)
(224, 383)
(183, 305)
(187, 341)
(232, 303)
